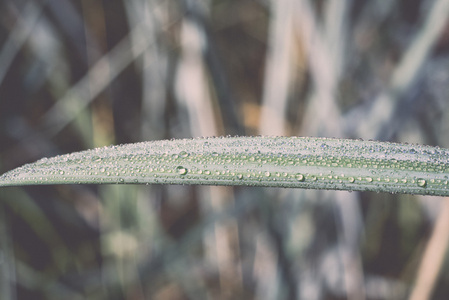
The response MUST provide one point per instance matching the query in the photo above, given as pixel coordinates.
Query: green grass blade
(296, 162)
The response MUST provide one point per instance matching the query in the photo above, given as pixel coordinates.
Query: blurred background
(78, 74)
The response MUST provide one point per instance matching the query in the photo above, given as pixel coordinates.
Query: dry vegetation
(78, 74)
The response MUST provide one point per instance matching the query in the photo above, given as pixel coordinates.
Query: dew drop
(299, 177)
(183, 154)
(421, 182)
(181, 170)
(61, 172)
(351, 179)
(267, 173)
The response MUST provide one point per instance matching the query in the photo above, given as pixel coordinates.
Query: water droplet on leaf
(299, 177)
(181, 170)
(421, 182)
(183, 154)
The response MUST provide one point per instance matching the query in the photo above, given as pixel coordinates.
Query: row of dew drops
(135, 168)
(121, 166)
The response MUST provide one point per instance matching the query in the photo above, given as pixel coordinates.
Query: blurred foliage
(76, 74)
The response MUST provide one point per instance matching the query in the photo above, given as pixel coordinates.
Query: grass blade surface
(295, 162)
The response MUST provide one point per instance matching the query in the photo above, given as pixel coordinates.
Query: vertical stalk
(7, 272)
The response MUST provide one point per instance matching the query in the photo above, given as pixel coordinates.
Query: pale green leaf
(295, 162)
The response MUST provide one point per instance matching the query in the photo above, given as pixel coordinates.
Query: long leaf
(295, 162)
